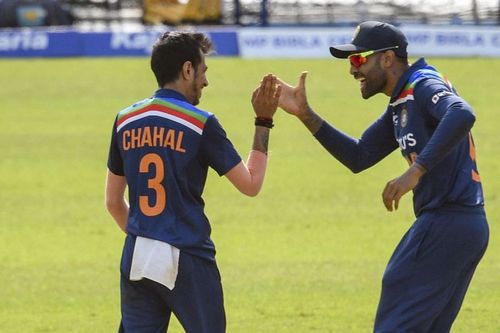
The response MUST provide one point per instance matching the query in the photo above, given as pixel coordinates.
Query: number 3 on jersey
(153, 184)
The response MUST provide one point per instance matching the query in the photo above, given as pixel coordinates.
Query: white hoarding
(446, 41)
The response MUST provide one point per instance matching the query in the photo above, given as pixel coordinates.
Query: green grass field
(306, 255)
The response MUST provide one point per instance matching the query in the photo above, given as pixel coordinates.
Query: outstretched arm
(248, 177)
(356, 154)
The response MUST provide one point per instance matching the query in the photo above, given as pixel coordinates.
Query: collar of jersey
(169, 93)
(421, 63)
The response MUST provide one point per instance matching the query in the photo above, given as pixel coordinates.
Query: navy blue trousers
(428, 275)
(196, 300)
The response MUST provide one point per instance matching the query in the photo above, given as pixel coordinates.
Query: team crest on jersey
(404, 117)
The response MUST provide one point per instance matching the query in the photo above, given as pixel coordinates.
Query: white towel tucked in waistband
(155, 260)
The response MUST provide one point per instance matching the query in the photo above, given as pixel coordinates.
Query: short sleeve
(216, 149)
(115, 161)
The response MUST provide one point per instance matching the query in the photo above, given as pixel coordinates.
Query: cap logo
(356, 32)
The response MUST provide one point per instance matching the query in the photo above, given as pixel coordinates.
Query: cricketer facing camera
(161, 148)
(428, 274)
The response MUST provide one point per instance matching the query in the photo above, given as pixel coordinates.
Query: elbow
(465, 114)
(356, 170)
(248, 187)
(251, 192)
(357, 164)
(467, 122)
(112, 206)
(471, 119)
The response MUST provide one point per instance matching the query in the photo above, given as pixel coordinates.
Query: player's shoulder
(430, 83)
(183, 108)
(134, 107)
(429, 77)
(166, 107)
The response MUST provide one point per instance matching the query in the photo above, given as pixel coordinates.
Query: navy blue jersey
(164, 146)
(431, 125)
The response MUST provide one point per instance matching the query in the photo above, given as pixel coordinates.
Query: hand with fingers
(398, 187)
(265, 97)
(294, 99)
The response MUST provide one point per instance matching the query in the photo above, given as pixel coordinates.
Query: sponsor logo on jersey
(407, 140)
(440, 94)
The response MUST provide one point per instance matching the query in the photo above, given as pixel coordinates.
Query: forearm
(261, 139)
(311, 120)
(119, 211)
(248, 177)
(341, 146)
(116, 204)
(357, 155)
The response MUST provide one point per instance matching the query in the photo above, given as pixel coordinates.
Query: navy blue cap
(373, 35)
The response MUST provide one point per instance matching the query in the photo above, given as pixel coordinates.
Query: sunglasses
(359, 59)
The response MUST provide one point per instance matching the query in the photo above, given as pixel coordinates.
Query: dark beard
(376, 81)
(196, 100)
